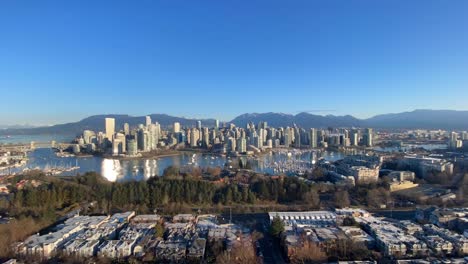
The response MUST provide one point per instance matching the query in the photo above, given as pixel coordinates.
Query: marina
(287, 161)
(293, 162)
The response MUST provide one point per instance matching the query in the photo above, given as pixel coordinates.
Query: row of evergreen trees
(157, 192)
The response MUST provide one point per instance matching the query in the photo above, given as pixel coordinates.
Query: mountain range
(18, 126)
(96, 123)
(424, 119)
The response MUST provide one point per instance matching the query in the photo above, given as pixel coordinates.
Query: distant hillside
(426, 119)
(273, 119)
(16, 126)
(96, 123)
(305, 120)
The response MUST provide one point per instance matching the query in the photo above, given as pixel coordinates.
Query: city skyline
(264, 131)
(193, 60)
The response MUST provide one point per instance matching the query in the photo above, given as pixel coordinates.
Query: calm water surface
(26, 139)
(142, 169)
(406, 148)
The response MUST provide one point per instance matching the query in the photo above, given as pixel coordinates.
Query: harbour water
(288, 161)
(406, 148)
(26, 139)
(292, 161)
(142, 169)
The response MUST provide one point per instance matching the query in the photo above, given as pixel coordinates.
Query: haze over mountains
(17, 126)
(425, 119)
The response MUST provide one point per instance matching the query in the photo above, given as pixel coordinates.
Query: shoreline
(142, 157)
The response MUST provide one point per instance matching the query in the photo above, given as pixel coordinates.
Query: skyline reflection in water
(120, 170)
(111, 169)
(124, 170)
(142, 169)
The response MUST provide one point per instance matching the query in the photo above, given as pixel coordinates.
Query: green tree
(377, 197)
(276, 227)
(171, 171)
(159, 230)
(228, 196)
(341, 199)
(349, 221)
(262, 190)
(251, 198)
(317, 174)
(312, 198)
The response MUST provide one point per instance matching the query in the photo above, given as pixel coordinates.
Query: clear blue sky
(64, 60)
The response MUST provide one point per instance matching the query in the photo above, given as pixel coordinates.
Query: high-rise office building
(101, 138)
(276, 143)
(354, 138)
(188, 133)
(132, 147)
(149, 142)
(122, 145)
(154, 134)
(250, 126)
(261, 136)
(216, 125)
(252, 136)
(454, 142)
(212, 135)
(158, 130)
(320, 136)
(287, 137)
(345, 132)
(231, 144)
(143, 140)
(297, 138)
(334, 140)
(110, 128)
(345, 141)
(241, 145)
(279, 134)
(269, 143)
(194, 137)
(182, 137)
(292, 134)
(313, 138)
(206, 137)
(126, 129)
(465, 135)
(117, 147)
(148, 120)
(199, 125)
(176, 128)
(369, 137)
(87, 136)
(453, 136)
(256, 141)
(271, 133)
